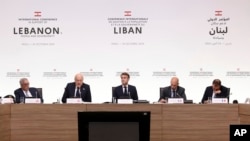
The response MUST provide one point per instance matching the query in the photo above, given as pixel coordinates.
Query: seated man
(77, 89)
(26, 91)
(125, 90)
(173, 91)
(215, 91)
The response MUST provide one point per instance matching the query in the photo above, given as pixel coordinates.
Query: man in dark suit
(26, 91)
(125, 90)
(77, 89)
(215, 91)
(173, 91)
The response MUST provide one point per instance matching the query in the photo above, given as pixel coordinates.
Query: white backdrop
(175, 40)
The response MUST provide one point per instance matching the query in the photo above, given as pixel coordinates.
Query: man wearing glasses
(25, 91)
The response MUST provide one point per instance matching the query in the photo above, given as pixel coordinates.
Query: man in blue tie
(77, 89)
(173, 91)
(125, 90)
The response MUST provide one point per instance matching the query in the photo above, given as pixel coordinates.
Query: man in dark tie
(26, 91)
(173, 91)
(77, 89)
(215, 91)
(125, 90)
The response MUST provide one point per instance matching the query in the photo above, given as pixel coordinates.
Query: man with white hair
(77, 89)
(26, 91)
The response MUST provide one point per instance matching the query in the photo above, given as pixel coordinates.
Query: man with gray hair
(26, 91)
(77, 89)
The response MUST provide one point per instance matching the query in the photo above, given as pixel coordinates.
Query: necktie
(78, 92)
(174, 93)
(125, 90)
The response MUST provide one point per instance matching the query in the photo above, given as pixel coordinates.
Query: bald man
(77, 89)
(173, 91)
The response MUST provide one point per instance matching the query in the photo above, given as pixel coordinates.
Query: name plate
(219, 101)
(175, 100)
(125, 101)
(32, 100)
(7, 101)
(74, 101)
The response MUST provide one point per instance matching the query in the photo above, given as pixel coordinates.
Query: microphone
(247, 101)
(129, 95)
(178, 95)
(38, 96)
(77, 92)
(80, 93)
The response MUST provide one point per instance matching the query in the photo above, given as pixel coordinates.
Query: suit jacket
(209, 93)
(118, 92)
(34, 92)
(70, 92)
(180, 93)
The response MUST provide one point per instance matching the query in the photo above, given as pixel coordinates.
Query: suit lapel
(211, 93)
(169, 92)
(121, 90)
(73, 90)
(31, 92)
(22, 93)
(178, 91)
(82, 89)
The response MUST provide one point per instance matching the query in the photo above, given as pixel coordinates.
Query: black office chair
(228, 94)
(235, 101)
(161, 91)
(113, 91)
(40, 91)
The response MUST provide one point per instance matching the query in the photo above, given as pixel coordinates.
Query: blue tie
(174, 94)
(77, 92)
(126, 90)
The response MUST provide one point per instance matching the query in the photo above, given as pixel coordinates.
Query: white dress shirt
(123, 88)
(172, 93)
(214, 95)
(27, 93)
(76, 91)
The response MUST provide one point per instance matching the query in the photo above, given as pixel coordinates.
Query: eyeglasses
(26, 84)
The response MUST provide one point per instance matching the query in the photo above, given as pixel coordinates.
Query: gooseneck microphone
(38, 95)
(129, 95)
(178, 95)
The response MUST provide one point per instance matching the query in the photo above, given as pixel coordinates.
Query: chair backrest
(228, 94)
(40, 91)
(113, 91)
(161, 91)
